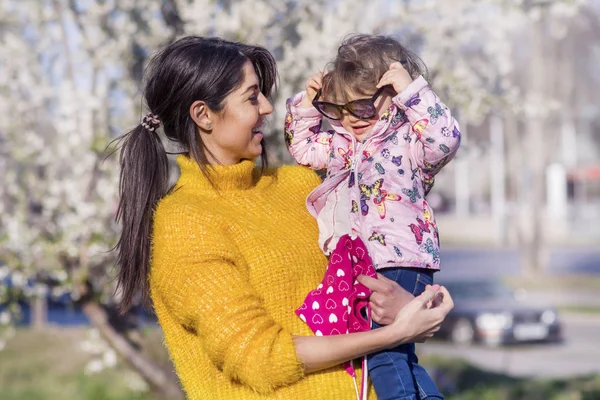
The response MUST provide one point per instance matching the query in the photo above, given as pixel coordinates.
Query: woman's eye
(254, 99)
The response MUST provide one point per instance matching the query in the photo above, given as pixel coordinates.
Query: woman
(229, 252)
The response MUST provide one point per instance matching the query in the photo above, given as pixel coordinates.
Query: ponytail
(143, 182)
(189, 69)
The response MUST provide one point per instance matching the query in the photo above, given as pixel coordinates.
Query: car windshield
(478, 290)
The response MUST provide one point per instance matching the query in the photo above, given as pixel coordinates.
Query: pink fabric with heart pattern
(334, 307)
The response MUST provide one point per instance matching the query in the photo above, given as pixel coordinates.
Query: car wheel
(463, 332)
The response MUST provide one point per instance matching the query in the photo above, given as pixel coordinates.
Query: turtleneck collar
(223, 177)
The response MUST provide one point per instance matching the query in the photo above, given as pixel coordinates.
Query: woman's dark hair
(190, 69)
(360, 63)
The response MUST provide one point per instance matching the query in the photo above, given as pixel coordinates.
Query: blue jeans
(396, 373)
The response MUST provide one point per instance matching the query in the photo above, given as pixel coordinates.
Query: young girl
(230, 249)
(391, 135)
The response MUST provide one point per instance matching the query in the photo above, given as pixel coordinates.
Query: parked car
(488, 312)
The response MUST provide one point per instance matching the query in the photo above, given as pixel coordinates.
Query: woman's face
(236, 131)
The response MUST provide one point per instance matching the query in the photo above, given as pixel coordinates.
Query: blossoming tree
(70, 75)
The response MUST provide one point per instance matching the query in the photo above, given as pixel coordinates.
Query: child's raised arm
(436, 131)
(308, 144)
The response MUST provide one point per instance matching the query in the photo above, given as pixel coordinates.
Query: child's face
(360, 128)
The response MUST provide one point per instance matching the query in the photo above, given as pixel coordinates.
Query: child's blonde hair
(360, 63)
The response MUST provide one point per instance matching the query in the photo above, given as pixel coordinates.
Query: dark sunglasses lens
(329, 111)
(362, 109)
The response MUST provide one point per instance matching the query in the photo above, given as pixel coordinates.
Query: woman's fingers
(428, 334)
(422, 320)
(446, 302)
(427, 295)
(418, 321)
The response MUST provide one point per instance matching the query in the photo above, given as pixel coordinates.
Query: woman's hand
(387, 299)
(416, 322)
(313, 85)
(397, 76)
(422, 317)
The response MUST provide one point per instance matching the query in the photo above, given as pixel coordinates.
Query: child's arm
(308, 144)
(436, 131)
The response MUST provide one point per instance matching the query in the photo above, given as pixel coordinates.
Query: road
(579, 354)
(458, 261)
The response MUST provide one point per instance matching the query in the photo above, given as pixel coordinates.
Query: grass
(50, 365)
(462, 381)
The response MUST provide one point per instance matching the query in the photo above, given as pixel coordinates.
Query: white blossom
(93, 367)
(66, 90)
(135, 382)
(4, 318)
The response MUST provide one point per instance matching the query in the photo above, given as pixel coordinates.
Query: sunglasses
(361, 108)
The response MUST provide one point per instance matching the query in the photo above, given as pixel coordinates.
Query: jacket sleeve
(436, 132)
(307, 143)
(207, 291)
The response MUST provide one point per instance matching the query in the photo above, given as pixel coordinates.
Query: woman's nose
(265, 107)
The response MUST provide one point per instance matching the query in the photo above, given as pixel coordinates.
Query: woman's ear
(200, 114)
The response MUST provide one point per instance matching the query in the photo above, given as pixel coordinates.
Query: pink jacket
(376, 188)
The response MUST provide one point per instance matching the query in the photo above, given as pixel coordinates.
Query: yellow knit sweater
(229, 268)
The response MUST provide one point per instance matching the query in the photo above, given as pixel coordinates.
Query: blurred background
(518, 209)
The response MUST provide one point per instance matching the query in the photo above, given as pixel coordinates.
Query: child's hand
(397, 76)
(387, 298)
(313, 85)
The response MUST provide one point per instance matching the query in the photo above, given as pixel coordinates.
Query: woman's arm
(200, 278)
(415, 322)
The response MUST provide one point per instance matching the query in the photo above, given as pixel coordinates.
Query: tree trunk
(39, 312)
(532, 251)
(152, 373)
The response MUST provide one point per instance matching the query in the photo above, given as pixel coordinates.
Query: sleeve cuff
(294, 108)
(415, 87)
(291, 368)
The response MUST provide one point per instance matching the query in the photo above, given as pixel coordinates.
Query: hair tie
(150, 122)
